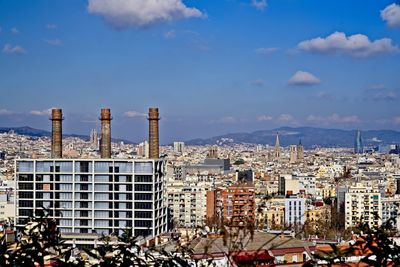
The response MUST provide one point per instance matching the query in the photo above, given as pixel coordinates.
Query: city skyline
(212, 67)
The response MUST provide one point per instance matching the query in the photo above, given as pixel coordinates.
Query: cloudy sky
(211, 66)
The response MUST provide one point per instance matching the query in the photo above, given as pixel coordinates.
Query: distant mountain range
(309, 136)
(29, 131)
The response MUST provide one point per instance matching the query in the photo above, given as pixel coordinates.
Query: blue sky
(211, 66)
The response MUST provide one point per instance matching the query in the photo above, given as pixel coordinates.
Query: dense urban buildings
(321, 194)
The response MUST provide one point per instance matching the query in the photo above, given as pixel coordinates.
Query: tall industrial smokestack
(56, 133)
(105, 141)
(154, 142)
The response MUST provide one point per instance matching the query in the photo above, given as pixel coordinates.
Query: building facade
(188, 204)
(295, 211)
(362, 205)
(96, 196)
(238, 205)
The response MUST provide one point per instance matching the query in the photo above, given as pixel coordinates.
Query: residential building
(295, 211)
(362, 205)
(238, 205)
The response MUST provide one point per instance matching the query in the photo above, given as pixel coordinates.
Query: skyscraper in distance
(358, 144)
(277, 147)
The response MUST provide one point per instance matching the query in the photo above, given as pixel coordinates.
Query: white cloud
(5, 112)
(51, 26)
(334, 118)
(391, 14)
(357, 45)
(14, 30)
(258, 82)
(264, 118)
(54, 42)
(266, 50)
(9, 49)
(134, 114)
(286, 118)
(170, 34)
(384, 96)
(46, 112)
(141, 13)
(303, 78)
(259, 4)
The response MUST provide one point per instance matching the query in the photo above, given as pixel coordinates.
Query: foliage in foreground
(375, 246)
(41, 243)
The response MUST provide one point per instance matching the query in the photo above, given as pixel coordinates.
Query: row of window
(85, 167)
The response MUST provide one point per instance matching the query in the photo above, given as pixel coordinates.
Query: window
(25, 166)
(25, 194)
(26, 186)
(101, 178)
(83, 166)
(143, 187)
(143, 178)
(143, 205)
(143, 223)
(25, 177)
(123, 167)
(143, 196)
(64, 166)
(102, 167)
(143, 167)
(143, 214)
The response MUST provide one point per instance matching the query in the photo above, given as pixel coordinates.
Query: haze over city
(212, 67)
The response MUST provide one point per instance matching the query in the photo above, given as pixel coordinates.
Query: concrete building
(7, 207)
(362, 204)
(300, 152)
(238, 205)
(94, 139)
(188, 204)
(143, 149)
(295, 209)
(293, 154)
(90, 197)
(288, 185)
(277, 150)
(100, 196)
(390, 210)
(179, 147)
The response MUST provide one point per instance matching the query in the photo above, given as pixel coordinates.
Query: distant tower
(358, 144)
(293, 154)
(154, 141)
(56, 133)
(179, 147)
(94, 139)
(300, 151)
(105, 141)
(143, 149)
(277, 147)
(212, 152)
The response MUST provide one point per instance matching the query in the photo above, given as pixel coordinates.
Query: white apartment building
(93, 196)
(188, 203)
(362, 204)
(390, 210)
(7, 207)
(179, 147)
(295, 211)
